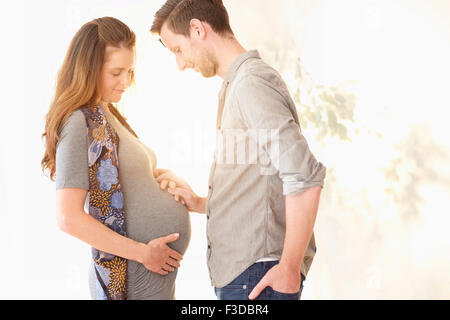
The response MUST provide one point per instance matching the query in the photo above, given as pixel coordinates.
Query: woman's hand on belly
(159, 258)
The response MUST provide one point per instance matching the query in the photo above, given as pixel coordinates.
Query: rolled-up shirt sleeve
(265, 108)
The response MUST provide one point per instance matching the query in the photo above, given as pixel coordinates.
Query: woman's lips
(119, 91)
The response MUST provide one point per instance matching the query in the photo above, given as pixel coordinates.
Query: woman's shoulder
(76, 119)
(74, 125)
(77, 116)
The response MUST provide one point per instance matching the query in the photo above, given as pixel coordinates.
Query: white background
(397, 51)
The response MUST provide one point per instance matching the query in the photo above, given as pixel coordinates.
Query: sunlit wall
(370, 80)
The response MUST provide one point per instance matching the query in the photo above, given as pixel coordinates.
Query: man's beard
(207, 64)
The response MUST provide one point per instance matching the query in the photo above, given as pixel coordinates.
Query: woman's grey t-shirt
(150, 212)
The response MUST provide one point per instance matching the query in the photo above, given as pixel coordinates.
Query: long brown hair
(76, 84)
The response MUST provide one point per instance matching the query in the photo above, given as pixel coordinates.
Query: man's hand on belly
(180, 190)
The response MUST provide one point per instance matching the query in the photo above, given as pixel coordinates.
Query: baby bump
(156, 214)
(151, 215)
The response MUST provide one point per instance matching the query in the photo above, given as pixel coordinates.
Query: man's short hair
(179, 13)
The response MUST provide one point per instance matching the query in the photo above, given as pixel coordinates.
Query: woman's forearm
(93, 232)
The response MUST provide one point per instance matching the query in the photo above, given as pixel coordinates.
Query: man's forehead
(168, 38)
(167, 44)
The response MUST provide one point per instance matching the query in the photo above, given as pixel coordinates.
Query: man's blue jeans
(240, 288)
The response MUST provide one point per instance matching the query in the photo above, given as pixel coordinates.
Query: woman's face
(116, 74)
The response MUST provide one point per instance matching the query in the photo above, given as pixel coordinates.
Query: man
(261, 212)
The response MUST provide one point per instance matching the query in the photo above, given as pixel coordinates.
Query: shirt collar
(233, 69)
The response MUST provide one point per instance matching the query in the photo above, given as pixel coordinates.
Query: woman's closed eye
(118, 74)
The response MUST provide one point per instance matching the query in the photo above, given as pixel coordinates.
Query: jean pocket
(232, 292)
(285, 296)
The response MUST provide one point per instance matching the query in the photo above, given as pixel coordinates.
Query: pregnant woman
(137, 231)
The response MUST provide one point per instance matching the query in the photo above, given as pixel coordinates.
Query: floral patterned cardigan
(105, 200)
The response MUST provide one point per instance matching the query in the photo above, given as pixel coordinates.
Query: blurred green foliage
(330, 109)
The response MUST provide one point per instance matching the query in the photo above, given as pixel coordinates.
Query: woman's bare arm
(72, 219)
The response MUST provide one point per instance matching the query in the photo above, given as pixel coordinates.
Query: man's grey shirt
(261, 156)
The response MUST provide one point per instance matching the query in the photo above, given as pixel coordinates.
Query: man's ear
(197, 29)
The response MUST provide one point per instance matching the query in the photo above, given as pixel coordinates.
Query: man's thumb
(179, 192)
(175, 191)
